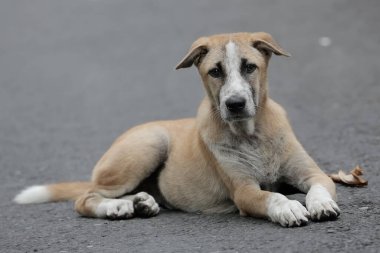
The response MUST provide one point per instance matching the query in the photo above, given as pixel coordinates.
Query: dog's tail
(52, 192)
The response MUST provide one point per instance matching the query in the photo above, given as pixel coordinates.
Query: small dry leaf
(358, 171)
(352, 179)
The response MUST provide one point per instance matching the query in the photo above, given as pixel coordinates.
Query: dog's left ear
(197, 51)
(265, 43)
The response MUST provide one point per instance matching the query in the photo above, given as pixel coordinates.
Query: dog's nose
(235, 103)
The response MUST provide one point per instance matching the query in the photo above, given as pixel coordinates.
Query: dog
(230, 158)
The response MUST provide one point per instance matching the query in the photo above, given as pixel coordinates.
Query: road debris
(353, 179)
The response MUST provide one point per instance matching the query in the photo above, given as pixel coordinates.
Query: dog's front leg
(253, 201)
(321, 197)
(302, 172)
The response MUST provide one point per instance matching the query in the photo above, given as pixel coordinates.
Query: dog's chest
(249, 158)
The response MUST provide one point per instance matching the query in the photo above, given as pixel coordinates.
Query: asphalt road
(75, 74)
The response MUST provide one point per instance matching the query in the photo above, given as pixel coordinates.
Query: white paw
(320, 204)
(145, 205)
(115, 209)
(288, 213)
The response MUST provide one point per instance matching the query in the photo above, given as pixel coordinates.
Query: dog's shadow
(291, 193)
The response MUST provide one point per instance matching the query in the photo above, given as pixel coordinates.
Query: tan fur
(68, 191)
(196, 175)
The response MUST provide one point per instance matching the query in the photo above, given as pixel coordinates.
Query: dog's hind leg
(95, 205)
(131, 159)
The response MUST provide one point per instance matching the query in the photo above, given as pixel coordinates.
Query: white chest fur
(248, 157)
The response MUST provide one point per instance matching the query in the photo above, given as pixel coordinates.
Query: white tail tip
(33, 194)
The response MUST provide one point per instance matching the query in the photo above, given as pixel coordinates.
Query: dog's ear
(197, 51)
(265, 43)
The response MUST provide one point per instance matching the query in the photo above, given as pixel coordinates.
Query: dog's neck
(210, 123)
(242, 128)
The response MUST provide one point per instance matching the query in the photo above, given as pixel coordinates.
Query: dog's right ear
(196, 53)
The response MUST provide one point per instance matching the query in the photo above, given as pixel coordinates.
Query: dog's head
(233, 68)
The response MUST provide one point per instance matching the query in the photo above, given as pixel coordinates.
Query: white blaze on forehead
(232, 59)
(233, 67)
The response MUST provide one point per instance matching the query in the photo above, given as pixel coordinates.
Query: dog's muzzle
(235, 104)
(236, 108)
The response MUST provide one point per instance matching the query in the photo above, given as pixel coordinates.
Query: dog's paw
(320, 204)
(145, 205)
(289, 213)
(321, 210)
(115, 209)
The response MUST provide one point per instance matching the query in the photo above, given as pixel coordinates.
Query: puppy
(229, 158)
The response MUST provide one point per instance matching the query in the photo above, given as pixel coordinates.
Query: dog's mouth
(236, 117)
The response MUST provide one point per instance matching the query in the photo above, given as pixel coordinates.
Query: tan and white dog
(239, 147)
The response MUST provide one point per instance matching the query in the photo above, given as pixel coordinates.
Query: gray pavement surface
(75, 74)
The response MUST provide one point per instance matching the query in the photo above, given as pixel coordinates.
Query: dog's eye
(215, 73)
(249, 68)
